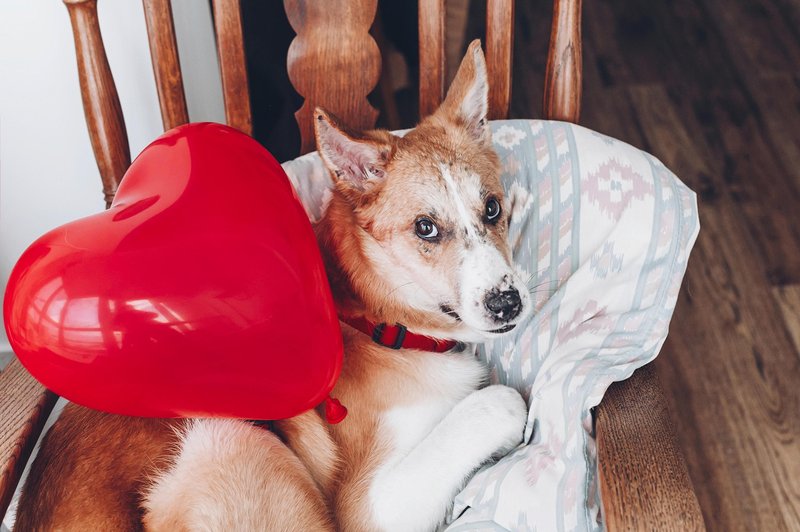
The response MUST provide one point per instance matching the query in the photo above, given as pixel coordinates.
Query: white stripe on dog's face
(465, 271)
(456, 195)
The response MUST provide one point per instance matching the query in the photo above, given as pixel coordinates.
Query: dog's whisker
(396, 288)
(553, 285)
(531, 287)
(536, 273)
(532, 292)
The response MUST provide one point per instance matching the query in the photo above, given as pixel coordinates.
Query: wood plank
(762, 47)
(763, 187)
(655, 42)
(778, 102)
(788, 299)
(24, 407)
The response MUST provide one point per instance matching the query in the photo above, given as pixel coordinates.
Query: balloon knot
(334, 410)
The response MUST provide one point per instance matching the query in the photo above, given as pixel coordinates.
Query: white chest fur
(451, 377)
(403, 428)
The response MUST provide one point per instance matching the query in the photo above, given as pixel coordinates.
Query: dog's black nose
(505, 305)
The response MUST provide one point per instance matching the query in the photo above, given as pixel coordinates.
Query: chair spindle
(166, 64)
(563, 77)
(431, 55)
(233, 67)
(499, 54)
(100, 100)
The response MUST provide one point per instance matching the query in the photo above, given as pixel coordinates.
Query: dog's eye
(492, 210)
(426, 229)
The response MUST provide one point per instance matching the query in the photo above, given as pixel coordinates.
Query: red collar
(397, 336)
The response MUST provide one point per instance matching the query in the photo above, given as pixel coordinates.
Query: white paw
(498, 414)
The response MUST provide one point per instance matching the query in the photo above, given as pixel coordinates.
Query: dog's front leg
(416, 492)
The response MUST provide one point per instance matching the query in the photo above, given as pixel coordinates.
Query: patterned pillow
(604, 230)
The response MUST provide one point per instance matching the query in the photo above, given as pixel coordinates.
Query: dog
(414, 241)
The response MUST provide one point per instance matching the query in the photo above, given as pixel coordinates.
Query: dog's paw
(498, 414)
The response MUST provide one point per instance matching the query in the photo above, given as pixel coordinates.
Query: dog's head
(430, 214)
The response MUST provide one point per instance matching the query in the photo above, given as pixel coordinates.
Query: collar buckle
(377, 336)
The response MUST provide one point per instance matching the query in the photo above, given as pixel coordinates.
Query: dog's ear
(359, 162)
(467, 101)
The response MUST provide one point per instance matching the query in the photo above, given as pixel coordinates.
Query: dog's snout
(503, 305)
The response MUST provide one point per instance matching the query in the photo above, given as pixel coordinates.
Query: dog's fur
(419, 423)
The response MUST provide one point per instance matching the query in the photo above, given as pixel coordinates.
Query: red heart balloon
(200, 292)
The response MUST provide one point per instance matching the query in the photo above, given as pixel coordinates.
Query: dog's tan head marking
(431, 216)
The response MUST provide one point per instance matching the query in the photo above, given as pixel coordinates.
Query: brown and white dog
(415, 234)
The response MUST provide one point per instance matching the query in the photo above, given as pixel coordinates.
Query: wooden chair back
(333, 62)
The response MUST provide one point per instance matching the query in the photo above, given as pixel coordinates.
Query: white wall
(48, 174)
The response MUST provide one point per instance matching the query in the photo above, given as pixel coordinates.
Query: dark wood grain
(100, 100)
(499, 55)
(166, 65)
(563, 80)
(232, 64)
(24, 407)
(333, 61)
(432, 67)
(788, 298)
(644, 483)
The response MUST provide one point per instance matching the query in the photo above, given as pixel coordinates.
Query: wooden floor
(712, 87)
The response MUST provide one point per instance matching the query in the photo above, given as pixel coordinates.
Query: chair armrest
(644, 482)
(24, 407)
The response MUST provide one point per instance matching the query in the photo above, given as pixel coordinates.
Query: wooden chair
(643, 477)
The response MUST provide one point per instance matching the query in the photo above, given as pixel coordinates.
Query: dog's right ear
(467, 100)
(358, 162)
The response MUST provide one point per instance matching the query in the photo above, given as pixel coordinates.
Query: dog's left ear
(467, 101)
(359, 162)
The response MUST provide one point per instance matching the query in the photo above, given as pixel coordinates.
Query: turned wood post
(166, 64)
(100, 100)
(232, 64)
(333, 62)
(499, 55)
(432, 68)
(564, 74)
